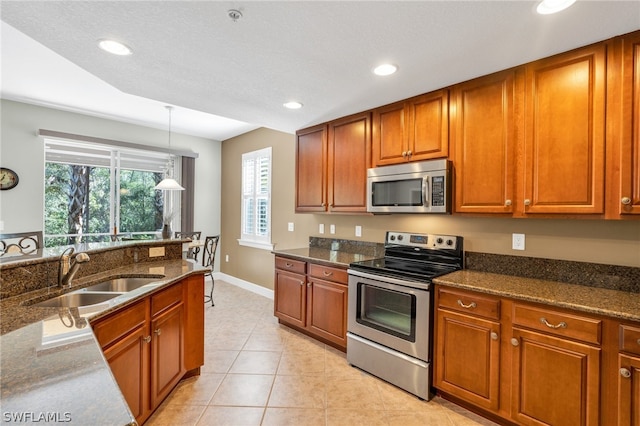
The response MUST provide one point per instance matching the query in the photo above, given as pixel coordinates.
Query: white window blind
(256, 199)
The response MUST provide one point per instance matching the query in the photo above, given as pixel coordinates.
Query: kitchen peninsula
(54, 368)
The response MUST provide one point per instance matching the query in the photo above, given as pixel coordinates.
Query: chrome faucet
(68, 269)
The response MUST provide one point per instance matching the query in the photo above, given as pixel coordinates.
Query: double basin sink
(97, 293)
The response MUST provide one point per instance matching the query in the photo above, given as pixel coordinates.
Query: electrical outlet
(290, 226)
(332, 229)
(226, 258)
(321, 228)
(518, 242)
(156, 251)
(358, 231)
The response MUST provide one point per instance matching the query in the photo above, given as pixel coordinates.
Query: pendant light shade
(169, 183)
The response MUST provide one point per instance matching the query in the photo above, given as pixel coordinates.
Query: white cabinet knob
(507, 202)
(527, 202)
(625, 373)
(626, 201)
(514, 341)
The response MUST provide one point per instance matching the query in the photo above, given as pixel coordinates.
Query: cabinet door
(467, 358)
(564, 133)
(128, 359)
(167, 355)
(290, 298)
(327, 310)
(349, 158)
(483, 142)
(555, 381)
(311, 169)
(389, 141)
(629, 200)
(428, 126)
(628, 391)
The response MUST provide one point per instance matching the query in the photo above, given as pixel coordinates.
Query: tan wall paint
(597, 241)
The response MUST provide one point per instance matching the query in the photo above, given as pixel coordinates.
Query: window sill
(256, 244)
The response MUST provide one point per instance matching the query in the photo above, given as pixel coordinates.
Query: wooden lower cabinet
(313, 299)
(529, 364)
(555, 381)
(152, 344)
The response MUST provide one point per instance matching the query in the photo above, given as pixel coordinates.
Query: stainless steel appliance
(420, 187)
(390, 310)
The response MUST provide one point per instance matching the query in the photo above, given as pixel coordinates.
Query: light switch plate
(156, 251)
(290, 227)
(518, 242)
(332, 229)
(358, 231)
(321, 228)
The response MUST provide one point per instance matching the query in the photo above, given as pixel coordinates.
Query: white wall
(21, 208)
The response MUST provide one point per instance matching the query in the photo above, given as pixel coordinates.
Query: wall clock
(8, 178)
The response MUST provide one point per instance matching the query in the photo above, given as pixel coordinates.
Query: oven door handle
(387, 279)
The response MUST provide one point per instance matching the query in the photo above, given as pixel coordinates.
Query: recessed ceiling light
(292, 105)
(114, 47)
(547, 7)
(385, 69)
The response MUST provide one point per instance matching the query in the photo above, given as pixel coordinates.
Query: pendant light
(169, 183)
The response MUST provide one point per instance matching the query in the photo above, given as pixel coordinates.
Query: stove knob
(449, 242)
(399, 237)
(439, 240)
(392, 237)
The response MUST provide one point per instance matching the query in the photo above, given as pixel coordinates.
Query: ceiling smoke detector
(234, 14)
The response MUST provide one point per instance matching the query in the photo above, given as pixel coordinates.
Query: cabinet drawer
(630, 339)
(558, 323)
(118, 325)
(328, 273)
(286, 264)
(166, 298)
(469, 303)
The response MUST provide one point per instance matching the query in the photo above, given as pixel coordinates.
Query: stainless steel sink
(122, 285)
(76, 299)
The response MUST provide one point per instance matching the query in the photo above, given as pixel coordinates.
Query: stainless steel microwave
(420, 187)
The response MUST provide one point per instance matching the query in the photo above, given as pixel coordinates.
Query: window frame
(253, 239)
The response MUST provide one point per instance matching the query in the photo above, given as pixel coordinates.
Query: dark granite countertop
(324, 256)
(607, 302)
(50, 372)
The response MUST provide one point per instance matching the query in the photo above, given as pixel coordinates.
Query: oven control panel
(422, 240)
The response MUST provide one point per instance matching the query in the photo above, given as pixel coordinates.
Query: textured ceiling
(192, 55)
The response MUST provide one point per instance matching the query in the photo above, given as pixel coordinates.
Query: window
(93, 191)
(256, 199)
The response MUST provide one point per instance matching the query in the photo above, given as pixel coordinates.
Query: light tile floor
(258, 372)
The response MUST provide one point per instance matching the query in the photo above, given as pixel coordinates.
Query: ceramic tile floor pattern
(258, 372)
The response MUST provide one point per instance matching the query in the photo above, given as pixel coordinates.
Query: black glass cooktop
(403, 268)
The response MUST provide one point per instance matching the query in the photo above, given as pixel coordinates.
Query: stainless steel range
(390, 317)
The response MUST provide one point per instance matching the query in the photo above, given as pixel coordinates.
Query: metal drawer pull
(625, 373)
(327, 274)
(469, 306)
(147, 339)
(157, 332)
(562, 324)
(494, 335)
(288, 265)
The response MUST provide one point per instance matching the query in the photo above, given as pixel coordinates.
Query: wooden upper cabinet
(311, 169)
(483, 142)
(564, 142)
(623, 126)
(349, 158)
(412, 130)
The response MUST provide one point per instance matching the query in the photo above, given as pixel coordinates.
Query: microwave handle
(425, 189)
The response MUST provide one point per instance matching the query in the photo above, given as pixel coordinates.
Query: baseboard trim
(246, 285)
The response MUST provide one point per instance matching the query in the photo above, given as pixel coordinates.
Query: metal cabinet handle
(625, 373)
(301, 282)
(288, 265)
(157, 331)
(527, 202)
(494, 335)
(404, 154)
(309, 284)
(409, 153)
(147, 339)
(562, 324)
(469, 306)
(626, 201)
(327, 274)
(507, 202)
(514, 341)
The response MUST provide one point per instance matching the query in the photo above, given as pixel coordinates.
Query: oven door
(391, 312)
